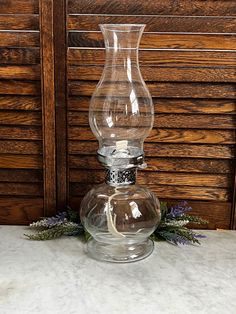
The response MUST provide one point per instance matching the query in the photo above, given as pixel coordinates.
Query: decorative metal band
(122, 163)
(120, 177)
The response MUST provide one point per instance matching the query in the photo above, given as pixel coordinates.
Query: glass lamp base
(118, 253)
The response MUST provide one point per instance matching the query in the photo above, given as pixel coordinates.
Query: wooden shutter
(187, 58)
(27, 167)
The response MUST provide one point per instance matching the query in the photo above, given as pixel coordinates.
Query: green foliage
(87, 235)
(73, 215)
(164, 209)
(53, 233)
(195, 220)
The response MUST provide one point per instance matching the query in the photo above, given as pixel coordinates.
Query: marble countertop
(57, 277)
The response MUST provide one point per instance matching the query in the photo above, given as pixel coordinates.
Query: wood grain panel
(168, 90)
(48, 105)
(19, 39)
(19, 88)
(192, 136)
(183, 7)
(187, 150)
(171, 121)
(20, 72)
(21, 161)
(170, 192)
(21, 133)
(195, 121)
(20, 147)
(160, 178)
(170, 58)
(19, 56)
(19, 22)
(193, 106)
(20, 210)
(160, 41)
(168, 136)
(27, 189)
(16, 175)
(163, 150)
(19, 6)
(60, 40)
(21, 118)
(168, 74)
(156, 23)
(20, 103)
(162, 164)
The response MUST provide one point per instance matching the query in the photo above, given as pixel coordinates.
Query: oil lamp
(119, 214)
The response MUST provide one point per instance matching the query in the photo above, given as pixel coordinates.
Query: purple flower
(59, 219)
(178, 210)
(199, 236)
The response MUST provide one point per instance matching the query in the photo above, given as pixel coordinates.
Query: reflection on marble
(57, 277)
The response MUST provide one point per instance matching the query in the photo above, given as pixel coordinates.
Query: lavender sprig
(59, 219)
(57, 231)
(178, 210)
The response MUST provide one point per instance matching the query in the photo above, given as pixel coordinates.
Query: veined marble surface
(57, 277)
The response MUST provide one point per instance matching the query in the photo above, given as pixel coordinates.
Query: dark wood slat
(153, 73)
(19, 210)
(160, 41)
(158, 57)
(19, 6)
(19, 56)
(19, 22)
(16, 175)
(19, 88)
(60, 40)
(19, 39)
(168, 90)
(193, 106)
(160, 178)
(22, 133)
(20, 147)
(192, 136)
(171, 121)
(21, 118)
(20, 103)
(161, 164)
(195, 121)
(34, 189)
(184, 7)
(156, 23)
(218, 215)
(21, 161)
(48, 105)
(170, 192)
(31, 72)
(168, 136)
(187, 150)
(163, 150)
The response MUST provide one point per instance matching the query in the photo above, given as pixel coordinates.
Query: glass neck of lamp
(122, 42)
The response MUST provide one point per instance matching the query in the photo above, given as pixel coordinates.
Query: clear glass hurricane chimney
(120, 215)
